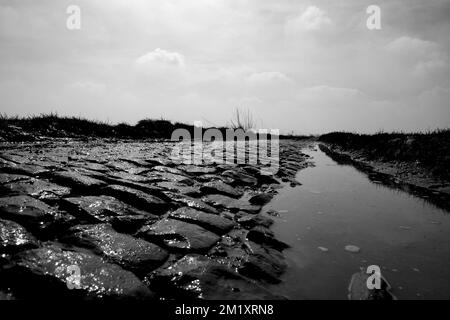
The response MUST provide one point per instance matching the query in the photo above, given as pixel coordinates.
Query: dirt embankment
(419, 163)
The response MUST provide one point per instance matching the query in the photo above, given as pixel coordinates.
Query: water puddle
(338, 222)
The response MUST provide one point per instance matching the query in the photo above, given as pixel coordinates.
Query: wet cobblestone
(131, 219)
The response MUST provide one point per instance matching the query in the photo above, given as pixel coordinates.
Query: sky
(297, 66)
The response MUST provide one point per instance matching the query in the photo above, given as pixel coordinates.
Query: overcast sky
(301, 66)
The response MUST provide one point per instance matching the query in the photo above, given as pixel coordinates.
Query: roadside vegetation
(36, 127)
(52, 125)
(242, 119)
(430, 150)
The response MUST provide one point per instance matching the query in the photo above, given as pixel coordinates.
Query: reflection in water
(438, 199)
(338, 206)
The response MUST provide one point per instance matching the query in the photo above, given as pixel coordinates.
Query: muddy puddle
(337, 206)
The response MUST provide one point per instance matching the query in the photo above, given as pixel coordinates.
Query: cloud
(424, 58)
(287, 63)
(270, 86)
(435, 101)
(313, 18)
(430, 67)
(328, 93)
(89, 86)
(162, 57)
(15, 23)
(411, 46)
(268, 77)
(164, 70)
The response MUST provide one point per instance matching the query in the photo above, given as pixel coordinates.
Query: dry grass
(52, 125)
(429, 149)
(242, 119)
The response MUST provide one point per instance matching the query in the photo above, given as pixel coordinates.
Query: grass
(30, 128)
(242, 120)
(52, 125)
(429, 149)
